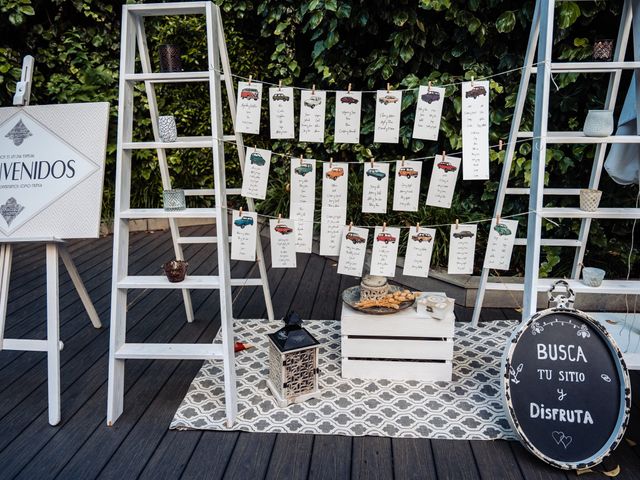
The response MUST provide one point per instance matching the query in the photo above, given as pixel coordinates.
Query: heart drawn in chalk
(562, 439)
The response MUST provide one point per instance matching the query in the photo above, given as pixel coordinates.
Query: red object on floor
(239, 346)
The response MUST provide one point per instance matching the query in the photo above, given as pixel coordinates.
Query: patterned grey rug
(468, 408)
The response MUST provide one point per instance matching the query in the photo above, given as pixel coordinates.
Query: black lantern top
(292, 336)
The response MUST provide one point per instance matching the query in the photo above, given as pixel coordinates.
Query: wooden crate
(399, 346)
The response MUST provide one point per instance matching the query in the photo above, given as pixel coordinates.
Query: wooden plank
(533, 468)
(331, 457)
(413, 459)
(211, 456)
(454, 460)
(250, 456)
(371, 458)
(397, 370)
(328, 290)
(308, 286)
(495, 460)
(290, 457)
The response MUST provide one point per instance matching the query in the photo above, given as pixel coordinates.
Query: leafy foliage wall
(330, 44)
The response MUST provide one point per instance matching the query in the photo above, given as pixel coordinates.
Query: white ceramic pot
(592, 276)
(599, 123)
(167, 128)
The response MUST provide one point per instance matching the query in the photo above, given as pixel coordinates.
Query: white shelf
(175, 8)
(547, 191)
(580, 138)
(610, 287)
(552, 242)
(170, 351)
(161, 281)
(590, 67)
(181, 142)
(168, 77)
(139, 213)
(612, 213)
(626, 334)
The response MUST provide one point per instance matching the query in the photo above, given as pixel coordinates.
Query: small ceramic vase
(174, 200)
(175, 270)
(599, 123)
(170, 58)
(592, 277)
(167, 128)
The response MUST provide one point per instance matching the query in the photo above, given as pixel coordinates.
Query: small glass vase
(599, 123)
(592, 277)
(170, 58)
(174, 200)
(167, 128)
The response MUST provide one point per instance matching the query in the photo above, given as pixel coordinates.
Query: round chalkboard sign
(566, 388)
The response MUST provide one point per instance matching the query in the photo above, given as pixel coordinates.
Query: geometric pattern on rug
(467, 408)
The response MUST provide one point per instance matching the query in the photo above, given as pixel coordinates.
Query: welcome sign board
(566, 388)
(52, 161)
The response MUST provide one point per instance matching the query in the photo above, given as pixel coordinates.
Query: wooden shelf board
(170, 351)
(161, 282)
(610, 287)
(612, 213)
(590, 67)
(181, 142)
(140, 213)
(168, 77)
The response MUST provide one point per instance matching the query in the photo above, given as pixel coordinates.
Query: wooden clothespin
(429, 86)
(330, 162)
(240, 212)
(402, 164)
(384, 226)
(372, 160)
(417, 227)
(279, 217)
(250, 78)
(279, 85)
(288, 187)
(313, 89)
(500, 143)
(350, 225)
(255, 149)
(457, 224)
(388, 87)
(472, 81)
(349, 89)
(300, 160)
(497, 219)
(444, 154)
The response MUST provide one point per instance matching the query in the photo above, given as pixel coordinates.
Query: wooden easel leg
(5, 275)
(80, 288)
(53, 333)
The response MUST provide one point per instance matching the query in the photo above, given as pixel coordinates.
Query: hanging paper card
(375, 187)
(248, 108)
(475, 131)
(243, 236)
(334, 206)
(312, 110)
(426, 125)
(256, 173)
(443, 181)
(419, 249)
(502, 237)
(303, 200)
(347, 127)
(281, 112)
(462, 248)
(352, 251)
(283, 252)
(406, 190)
(387, 122)
(385, 251)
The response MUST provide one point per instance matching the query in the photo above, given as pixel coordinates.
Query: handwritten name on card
(312, 112)
(502, 237)
(475, 130)
(375, 187)
(426, 125)
(283, 252)
(385, 251)
(334, 206)
(303, 200)
(406, 191)
(244, 235)
(281, 112)
(462, 248)
(443, 181)
(419, 250)
(248, 107)
(256, 173)
(353, 248)
(387, 121)
(347, 122)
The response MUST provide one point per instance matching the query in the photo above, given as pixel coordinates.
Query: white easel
(54, 247)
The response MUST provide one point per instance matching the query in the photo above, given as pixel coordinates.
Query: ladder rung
(170, 351)
(27, 345)
(140, 213)
(229, 138)
(581, 138)
(547, 191)
(552, 242)
(590, 67)
(246, 282)
(610, 287)
(194, 240)
(612, 213)
(200, 192)
(168, 77)
(150, 10)
(207, 282)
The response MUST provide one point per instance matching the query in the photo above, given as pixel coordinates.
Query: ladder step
(27, 345)
(161, 282)
(229, 138)
(579, 137)
(547, 191)
(590, 67)
(138, 213)
(612, 213)
(168, 77)
(552, 242)
(610, 287)
(210, 192)
(194, 240)
(170, 351)
(188, 8)
(246, 282)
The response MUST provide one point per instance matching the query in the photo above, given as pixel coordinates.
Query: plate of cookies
(393, 301)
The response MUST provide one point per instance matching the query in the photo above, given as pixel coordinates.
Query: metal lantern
(293, 363)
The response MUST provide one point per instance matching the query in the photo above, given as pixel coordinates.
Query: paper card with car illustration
(385, 251)
(347, 123)
(462, 248)
(281, 116)
(426, 125)
(419, 249)
(256, 173)
(387, 121)
(352, 251)
(248, 109)
(283, 239)
(406, 190)
(313, 105)
(475, 130)
(375, 187)
(244, 228)
(443, 181)
(502, 237)
(334, 206)
(303, 201)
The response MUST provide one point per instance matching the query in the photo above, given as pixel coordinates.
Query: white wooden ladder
(541, 36)
(133, 34)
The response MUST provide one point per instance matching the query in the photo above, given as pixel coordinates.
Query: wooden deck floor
(140, 444)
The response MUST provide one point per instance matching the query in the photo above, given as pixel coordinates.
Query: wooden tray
(351, 296)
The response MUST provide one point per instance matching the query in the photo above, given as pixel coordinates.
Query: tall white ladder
(541, 35)
(133, 34)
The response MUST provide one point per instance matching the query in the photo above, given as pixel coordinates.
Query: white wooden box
(400, 346)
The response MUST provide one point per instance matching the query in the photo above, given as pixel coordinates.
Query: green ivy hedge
(331, 44)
